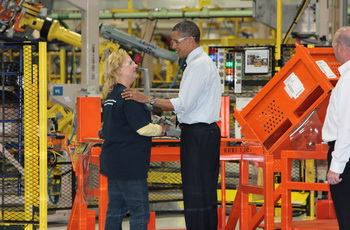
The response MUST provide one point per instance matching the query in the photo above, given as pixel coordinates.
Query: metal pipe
(130, 3)
(162, 14)
(42, 134)
(147, 87)
(344, 14)
(62, 65)
(278, 29)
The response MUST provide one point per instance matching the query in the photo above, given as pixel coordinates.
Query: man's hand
(133, 94)
(333, 178)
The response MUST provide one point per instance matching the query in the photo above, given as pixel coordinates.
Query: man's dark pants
(200, 162)
(341, 194)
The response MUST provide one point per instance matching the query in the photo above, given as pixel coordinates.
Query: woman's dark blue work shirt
(125, 153)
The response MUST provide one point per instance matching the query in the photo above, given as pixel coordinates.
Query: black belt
(331, 143)
(194, 124)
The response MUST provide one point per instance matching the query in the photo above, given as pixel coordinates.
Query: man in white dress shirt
(197, 109)
(336, 131)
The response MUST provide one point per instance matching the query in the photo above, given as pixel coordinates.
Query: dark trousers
(200, 162)
(341, 194)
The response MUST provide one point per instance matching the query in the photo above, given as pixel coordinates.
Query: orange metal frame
(287, 185)
(81, 217)
(271, 117)
(164, 150)
(84, 219)
(88, 117)
(249, 218)
(89, 122)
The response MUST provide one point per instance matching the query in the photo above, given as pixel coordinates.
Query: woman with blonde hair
(125, 157)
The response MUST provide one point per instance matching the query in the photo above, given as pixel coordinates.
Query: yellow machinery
(65, 94)
(49, 29)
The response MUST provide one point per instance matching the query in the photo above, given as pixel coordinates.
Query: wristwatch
(152, 101)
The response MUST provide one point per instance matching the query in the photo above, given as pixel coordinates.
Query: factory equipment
(243, 69)
(286, 101)
(21, 144)
(51, 29)
(24, 14)
(131, 42)
(286, 117)
(304, 19)
(279, 111)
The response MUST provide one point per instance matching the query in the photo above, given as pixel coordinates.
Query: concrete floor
(163, 221)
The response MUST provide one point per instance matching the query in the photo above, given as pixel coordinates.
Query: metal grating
(271, 117)
(164, 180)
(19, 142)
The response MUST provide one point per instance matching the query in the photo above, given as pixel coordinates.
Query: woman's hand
(165, 128)
(133, 94)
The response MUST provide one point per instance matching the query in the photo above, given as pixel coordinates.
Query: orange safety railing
(81, 217)
(84, 219)
(249, 218)
(287, 185)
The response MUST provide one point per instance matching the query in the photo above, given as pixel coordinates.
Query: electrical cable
(295, 21)
(49, 181)
(73, 133)
(74, 127)
(52, 180)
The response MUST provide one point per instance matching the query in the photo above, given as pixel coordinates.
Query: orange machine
(285, 102)
(83, 154)
(286, 117)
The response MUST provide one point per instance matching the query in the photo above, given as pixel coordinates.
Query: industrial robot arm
(135, 44)
(51, 29)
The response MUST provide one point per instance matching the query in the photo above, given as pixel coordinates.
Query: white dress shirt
(199, 99)
(337, 122)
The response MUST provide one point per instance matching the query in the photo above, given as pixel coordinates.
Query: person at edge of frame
(336, 131)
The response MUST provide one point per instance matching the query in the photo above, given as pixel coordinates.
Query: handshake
(164, 121)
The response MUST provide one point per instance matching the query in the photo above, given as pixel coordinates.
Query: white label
(294, 87)
(326, 69)
(67, 99)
